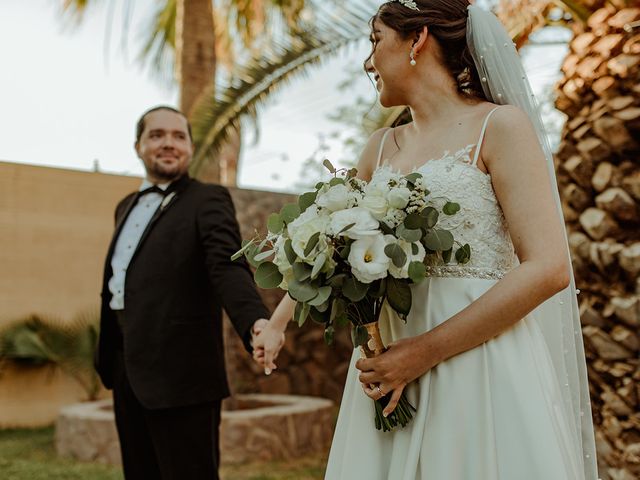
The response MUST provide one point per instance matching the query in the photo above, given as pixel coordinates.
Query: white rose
(408, 250)
(365, 224)
(367, 258)
(399, 197)
(303, 234)
(335, 198)
(376, 204)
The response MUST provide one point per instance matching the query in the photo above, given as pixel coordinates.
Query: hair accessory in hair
(409, 4)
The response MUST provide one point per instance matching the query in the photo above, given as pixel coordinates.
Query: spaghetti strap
(384, 137)
(482, 132)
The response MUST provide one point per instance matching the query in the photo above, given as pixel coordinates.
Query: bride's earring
(413, 60)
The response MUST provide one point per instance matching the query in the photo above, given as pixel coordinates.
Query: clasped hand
(267, 343)
(389, 373)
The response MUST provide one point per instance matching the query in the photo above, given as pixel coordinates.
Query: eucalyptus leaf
(438, 240)
(263, 255)
(430, 216)
(306, 200)
(336, 181)
(318, 263)
(451, 208)
(311, 243)
(301, 313)
(344, 229)
(354, 290)
(415, 250)
(301, 271)
(301, 291)
(323, 295)
(275, 223)
(410, 235)
(399, 295)
(379, 288)
(268, 276)
(317, 316)
(337, 281)
(359, 335)
(289, 252)
(338, 308)
(463, 254)
(345, 251)
(290, 212)
(414, 221)
(446, 255)
(352, 173)
(250, 254)
(417, 272)
(396, 254)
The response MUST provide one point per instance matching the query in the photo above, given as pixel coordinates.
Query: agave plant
(40, 341)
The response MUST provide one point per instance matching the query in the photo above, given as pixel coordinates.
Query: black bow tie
(152, 189)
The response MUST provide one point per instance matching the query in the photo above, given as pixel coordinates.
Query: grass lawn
(29, 455)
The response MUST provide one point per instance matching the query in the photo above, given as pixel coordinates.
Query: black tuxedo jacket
(179, 280)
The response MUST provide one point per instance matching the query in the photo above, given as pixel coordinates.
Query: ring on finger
(380, 391)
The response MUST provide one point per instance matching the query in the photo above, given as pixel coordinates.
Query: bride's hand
(389, 373)
(266, 347)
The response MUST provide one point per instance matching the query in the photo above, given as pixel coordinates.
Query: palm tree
(196, 35)
(598, 172)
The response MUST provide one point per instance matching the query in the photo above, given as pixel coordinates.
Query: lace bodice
(480, 221)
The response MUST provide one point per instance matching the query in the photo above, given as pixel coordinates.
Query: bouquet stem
(403, 413)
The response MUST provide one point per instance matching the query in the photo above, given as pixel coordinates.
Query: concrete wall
(55, 227)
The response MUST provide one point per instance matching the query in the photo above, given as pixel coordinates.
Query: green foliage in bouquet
(349, 246)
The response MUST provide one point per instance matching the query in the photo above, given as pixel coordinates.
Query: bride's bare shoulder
(369, 156)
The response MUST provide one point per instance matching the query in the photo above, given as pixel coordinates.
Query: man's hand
(266, 342)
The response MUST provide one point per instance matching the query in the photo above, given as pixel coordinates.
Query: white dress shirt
(128, 240)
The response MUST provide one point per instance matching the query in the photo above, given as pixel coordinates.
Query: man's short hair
(141, 122)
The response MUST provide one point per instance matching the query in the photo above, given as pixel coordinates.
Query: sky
(69, 97)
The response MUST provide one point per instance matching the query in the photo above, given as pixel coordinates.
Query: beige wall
(55, 227)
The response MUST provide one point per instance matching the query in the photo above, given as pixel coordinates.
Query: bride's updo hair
(447, 22)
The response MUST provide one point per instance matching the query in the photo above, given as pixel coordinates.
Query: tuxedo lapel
(173, 193)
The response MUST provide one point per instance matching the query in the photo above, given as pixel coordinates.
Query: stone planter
(254, 427)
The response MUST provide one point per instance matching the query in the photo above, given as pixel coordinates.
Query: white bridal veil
(505, 82)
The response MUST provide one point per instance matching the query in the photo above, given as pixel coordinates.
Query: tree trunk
(598, 177)
(195, 50)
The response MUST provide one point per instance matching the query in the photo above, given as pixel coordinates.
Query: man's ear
(420, 41)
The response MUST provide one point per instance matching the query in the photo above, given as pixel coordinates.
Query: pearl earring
(413, 60)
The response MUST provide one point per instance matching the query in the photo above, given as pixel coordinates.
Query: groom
(167, 276)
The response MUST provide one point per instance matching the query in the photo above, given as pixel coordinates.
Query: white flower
(408, 250)
(394, 217)
(365, 224)
(303, 228)
(376, 204)
(367, 258)
(399, 197)
(336, 198)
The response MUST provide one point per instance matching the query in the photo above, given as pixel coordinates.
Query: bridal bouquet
(349, 246)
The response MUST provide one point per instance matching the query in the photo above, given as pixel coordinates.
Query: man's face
(165, 147)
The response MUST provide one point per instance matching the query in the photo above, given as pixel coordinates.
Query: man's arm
(232, 280)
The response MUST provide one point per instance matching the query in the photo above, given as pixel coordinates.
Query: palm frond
(68, 345)
(160, 45)
(218, 114)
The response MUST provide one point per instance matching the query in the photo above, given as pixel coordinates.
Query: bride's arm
(520, 179)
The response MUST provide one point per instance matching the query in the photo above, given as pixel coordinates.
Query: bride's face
(389, 64)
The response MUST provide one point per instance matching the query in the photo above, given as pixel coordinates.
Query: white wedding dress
(493, 412)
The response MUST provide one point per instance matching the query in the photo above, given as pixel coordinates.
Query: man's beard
(168, 173)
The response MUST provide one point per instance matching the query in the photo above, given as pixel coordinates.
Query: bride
(491, 354)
